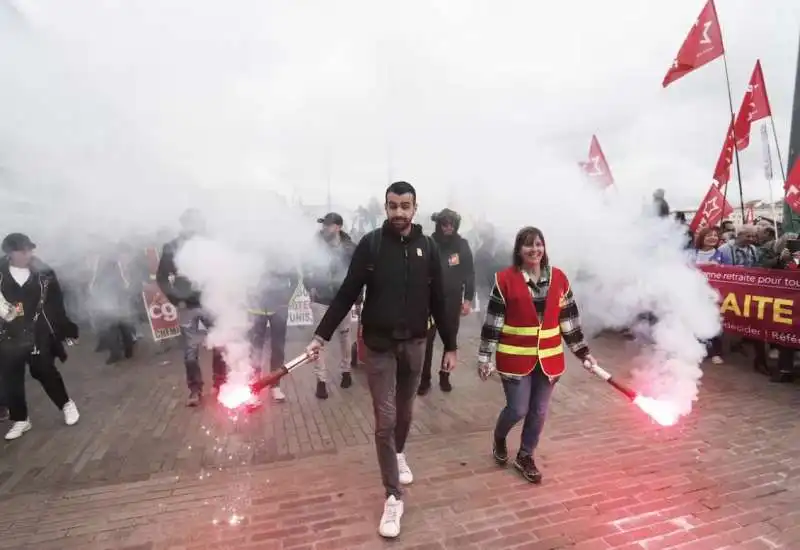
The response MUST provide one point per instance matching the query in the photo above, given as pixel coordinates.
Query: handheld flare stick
(272, 378)
(661, 412)
(605, 375)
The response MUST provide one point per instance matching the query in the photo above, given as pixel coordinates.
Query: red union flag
(750, 215)
(722, 171)
(792, 187)
(703, 45)
(596, 168)
(712, 210)
(755, 106)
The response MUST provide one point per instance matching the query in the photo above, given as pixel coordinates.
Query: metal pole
(735, 148)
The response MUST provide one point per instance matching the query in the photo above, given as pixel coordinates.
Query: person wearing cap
(33, 329)
(458, 275)
(323, 275)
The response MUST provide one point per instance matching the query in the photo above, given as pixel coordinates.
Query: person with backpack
(401, 269)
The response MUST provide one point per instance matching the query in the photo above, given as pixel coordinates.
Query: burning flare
(233, 396)
(661, 412)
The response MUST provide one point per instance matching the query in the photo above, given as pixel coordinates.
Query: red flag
(755, 106)
(596, 168)
(750, 215)
(722, 172)
(792, 187)
(712, 211)
(703, 45)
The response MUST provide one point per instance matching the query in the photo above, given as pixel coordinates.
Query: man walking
(401, 270)
(323, 277)
(194, 320)
(458, 275)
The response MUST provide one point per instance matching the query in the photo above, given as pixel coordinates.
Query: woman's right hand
(485, 370)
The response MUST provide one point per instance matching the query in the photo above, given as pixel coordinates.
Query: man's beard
(400, 223)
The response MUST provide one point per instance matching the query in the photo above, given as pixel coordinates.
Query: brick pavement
(142, 472)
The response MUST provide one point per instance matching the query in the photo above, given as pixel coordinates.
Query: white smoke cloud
(118, 116)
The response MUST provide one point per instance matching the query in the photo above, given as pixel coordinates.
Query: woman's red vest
(525, 341)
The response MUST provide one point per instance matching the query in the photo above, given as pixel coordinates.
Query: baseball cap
(331, 218)
(17, 242)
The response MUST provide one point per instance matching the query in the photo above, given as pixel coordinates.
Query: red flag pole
(735, 147)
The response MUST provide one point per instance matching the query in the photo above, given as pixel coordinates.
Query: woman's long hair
(525, 237)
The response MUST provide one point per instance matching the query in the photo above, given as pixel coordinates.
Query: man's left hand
(449, 361)
(466, 309)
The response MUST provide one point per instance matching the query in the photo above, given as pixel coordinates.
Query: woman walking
(706, 251)
(531, 309)
(33, 327)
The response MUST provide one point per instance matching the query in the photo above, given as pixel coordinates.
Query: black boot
(527, 467)
(347, 380)
(424, 386)
(322, 390)
(500, 451)
(444, 382)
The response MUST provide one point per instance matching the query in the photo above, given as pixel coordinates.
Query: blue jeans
(526, 398)
(193, 336)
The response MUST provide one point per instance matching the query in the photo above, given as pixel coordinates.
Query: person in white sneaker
(33, 328)
(402, 272)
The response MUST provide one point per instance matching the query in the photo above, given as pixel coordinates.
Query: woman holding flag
(531, 309)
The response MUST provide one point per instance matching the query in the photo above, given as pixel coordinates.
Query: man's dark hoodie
(179, 290)
(458, 270)
(404, 287)
(323, 276)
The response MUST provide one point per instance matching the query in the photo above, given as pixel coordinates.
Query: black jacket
(458, 270)
(180, 289)
(53, 326)
(324, 276)
(404, 287)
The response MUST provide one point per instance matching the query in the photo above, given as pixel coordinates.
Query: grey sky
(279, 93)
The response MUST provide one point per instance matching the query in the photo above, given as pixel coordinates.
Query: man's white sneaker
(17, 429)
(278, 395)
(390, 520)
(71, 414)
(406, 477)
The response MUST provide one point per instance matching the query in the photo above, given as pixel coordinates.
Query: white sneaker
(278, 395)
(17, 429)
(717, 360)
(71, 414)
(406, 477)
(390, 520)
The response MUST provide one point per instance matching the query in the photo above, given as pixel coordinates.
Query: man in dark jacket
(193, 319)
(402, 272)
(323, 276)
(33, 328)
(458, 275)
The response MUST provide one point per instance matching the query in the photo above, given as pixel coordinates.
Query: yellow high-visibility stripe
(551, 352)
(531, 331)
(520, 331)
(549, 332)
(527, 352)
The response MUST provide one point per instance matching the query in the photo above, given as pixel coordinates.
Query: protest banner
(300, 314)
(163, 316)
(758, 303)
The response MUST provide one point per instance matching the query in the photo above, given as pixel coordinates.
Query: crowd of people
(408, 287)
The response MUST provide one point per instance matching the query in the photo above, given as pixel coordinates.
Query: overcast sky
(447, 94)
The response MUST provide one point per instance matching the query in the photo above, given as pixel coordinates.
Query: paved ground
(142, 472)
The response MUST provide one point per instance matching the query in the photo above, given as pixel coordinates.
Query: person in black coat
(34, 327)
(458, 276)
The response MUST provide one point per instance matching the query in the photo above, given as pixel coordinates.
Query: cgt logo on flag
(702, 45)
(597, 168)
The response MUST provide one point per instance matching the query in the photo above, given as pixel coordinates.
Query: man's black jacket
(54, 325)
(458, 270)
(179, 289)
(404, 288)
